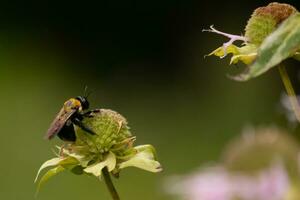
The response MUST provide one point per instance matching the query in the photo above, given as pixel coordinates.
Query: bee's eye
(84, 102)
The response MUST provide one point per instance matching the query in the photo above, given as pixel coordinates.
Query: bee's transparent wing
(59, 122)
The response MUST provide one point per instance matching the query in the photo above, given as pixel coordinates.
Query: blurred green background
(144, 59)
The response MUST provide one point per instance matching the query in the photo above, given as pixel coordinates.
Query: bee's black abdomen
(67, 133)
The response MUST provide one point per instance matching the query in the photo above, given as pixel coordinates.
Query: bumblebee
(71, 114)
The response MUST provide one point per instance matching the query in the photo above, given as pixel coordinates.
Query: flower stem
(109, 184)
(290, 91)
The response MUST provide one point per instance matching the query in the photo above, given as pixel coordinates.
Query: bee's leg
(91, 113)
(77, 122)
(61, 151)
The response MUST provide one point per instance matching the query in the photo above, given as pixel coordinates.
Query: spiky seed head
(110, 128)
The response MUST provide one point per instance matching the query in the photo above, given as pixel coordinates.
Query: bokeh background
(143, 59)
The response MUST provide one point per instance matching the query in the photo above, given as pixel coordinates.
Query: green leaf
(96, 169)
(144, 159)
(278, 46)
(50, 173)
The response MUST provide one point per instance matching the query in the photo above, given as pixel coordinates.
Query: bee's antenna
(86, 93)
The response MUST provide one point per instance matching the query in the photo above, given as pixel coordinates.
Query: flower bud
(264, 21)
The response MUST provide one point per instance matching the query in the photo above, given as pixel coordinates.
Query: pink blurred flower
(209, 184)
(271, 184)
(216, 183)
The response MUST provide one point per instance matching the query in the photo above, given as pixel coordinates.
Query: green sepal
(65, 162)
(49, 163)
(59, 164)
(78, 170)
(50, 173)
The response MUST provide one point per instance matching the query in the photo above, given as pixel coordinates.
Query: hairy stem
(290, 91)
(109, 184)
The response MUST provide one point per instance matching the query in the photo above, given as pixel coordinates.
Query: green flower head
(112, 149)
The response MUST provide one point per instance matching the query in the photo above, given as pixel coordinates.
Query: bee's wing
(59, 122)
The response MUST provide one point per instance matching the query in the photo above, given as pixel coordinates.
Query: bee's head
(84, 102)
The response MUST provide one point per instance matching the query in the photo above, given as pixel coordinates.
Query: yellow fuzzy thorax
(72, 103)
